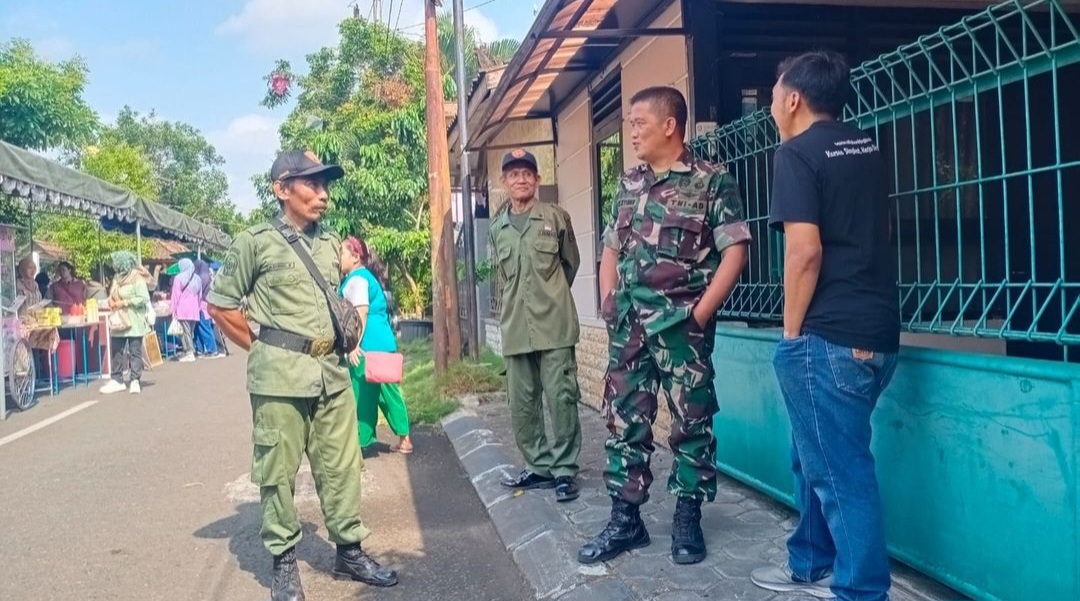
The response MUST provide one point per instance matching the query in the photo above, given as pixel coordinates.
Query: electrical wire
(421, 24)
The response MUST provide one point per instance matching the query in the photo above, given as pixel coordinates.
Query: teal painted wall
(977, 459)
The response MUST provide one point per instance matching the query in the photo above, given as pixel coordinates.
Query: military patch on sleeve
(228, 267)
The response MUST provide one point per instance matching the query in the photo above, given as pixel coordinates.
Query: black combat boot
(286, 584)
(687, 539)
(624, 532)
(353, 563)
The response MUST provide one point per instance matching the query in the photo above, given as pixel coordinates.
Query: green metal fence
(977, 125)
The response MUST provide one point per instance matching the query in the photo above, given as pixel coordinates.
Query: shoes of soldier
(566, 489)
(286, 584)
(112, 387)
(527, 480)
(353, 563)
(687, 539)
(624, 532)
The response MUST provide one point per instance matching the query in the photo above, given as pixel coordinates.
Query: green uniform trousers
(373, 398)
(530, 377)
(325, 428)
(675, 364)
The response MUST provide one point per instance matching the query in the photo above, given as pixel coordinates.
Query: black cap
(520, 155)
(302, 163)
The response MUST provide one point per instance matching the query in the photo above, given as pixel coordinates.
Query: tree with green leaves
(478, 55)
(81, 237)
(188, 172)
(361, 105)
(41, 103)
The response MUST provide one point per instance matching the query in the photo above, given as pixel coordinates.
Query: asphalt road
(147, 498)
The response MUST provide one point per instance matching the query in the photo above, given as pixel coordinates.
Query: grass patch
(430, 398)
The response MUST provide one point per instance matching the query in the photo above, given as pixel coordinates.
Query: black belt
(315, 347)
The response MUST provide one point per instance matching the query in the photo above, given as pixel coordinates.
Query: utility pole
(468, 229)
(444, 273)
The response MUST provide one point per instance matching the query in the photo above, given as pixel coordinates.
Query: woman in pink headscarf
(186, 301)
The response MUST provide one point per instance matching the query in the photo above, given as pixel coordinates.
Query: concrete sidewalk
(743, 529)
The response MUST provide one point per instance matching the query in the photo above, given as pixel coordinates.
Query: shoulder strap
(293, 238)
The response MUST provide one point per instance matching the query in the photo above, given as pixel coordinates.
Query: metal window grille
(975, 123)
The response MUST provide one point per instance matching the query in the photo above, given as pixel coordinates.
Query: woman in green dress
(362, 286)
(130, 296)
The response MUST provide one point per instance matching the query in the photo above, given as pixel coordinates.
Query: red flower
(279, 84)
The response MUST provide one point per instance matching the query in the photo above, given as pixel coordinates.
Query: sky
(203, 61)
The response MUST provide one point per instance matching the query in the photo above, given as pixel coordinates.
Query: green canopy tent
(159, 221)
(42, 182)
(39, 181)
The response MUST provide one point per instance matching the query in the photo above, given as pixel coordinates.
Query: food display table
(75, 352)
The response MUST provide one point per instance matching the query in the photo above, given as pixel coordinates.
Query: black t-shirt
(833, 176)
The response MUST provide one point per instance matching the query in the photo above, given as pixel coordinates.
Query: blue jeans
(830, 392)
(205, 341)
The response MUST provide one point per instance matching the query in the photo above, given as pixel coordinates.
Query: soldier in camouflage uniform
(674, 248)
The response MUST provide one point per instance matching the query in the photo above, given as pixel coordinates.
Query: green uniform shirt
(262, 268)
(669, 230)
(537, 265)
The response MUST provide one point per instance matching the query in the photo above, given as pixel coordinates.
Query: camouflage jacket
(669, 231)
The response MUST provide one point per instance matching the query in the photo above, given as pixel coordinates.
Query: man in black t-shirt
(841, 330)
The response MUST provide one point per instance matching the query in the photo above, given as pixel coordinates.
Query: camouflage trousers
(675, 363)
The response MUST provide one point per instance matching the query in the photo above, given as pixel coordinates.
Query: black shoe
(565, 489)
(353, 563)
(286, 584)
(687, 539)
(527, 480)
(624, 532)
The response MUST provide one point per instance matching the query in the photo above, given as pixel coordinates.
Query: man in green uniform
(673, 251)
(538, 259)
(301, 397)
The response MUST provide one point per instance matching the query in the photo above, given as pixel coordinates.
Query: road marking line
(45, 422)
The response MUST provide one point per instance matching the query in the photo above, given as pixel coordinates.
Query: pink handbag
(383, 368)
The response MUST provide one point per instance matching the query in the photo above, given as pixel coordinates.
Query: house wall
(657, 61)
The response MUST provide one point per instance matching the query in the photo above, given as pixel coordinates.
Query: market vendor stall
(76, 346)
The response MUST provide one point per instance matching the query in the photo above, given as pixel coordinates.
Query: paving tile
(488, 485)
(681, 596)
(728, 510)
(459, 423)
(485, 458)
(518, 519)
(548, 564)
(761, 516)
(645, 589)
(740, 589)
(754, 551)
(603, 589)
(587, 530)
(728, 496)
(740, 568)
(697, 577)
(591, 514)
